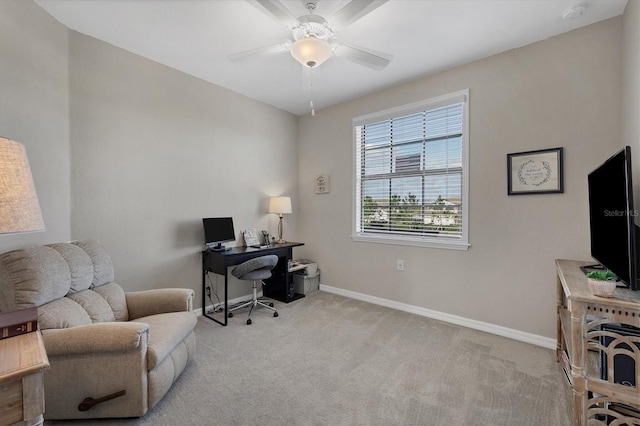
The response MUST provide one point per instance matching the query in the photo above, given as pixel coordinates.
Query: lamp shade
(19, 207)
(280, 205)
(311, 51)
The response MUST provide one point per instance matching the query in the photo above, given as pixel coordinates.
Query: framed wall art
(535, 172)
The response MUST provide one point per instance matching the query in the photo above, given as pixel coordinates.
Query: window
(411, 174)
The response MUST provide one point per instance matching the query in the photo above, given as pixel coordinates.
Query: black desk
(277, 287)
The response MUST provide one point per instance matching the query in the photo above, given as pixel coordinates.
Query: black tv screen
(218, 230)
(611, 215)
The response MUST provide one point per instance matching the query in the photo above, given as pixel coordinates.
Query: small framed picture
(535, 172)
(322, 184)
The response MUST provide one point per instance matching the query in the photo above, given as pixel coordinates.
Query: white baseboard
(522, 336)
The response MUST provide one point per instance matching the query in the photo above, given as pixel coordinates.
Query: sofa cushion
(80, 265)
(166, 331)
(95, 305)
(62, 313)
(115, 297)
(32, 277)
(102, 266)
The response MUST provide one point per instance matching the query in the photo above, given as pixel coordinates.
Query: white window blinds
(409, 173)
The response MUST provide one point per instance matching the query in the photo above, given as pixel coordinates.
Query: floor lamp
(280, 206)
(19, 207)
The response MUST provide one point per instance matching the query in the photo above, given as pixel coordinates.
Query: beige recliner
(100, 340)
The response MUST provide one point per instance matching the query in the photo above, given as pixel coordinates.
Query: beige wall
(34, 110)
(145, 152)
(561, 92)
(155, 150)
(133, 153)
(631, 89)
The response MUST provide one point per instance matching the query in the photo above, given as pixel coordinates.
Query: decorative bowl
(601, 288)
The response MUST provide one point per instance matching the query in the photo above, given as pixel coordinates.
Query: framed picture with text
(535, 172)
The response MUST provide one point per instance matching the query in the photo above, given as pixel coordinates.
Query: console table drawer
(11, 402)
(21, 380)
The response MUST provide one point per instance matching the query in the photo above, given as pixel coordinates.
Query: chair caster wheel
(271, 304)
(230, 315)
(275, 314)
(248, 322)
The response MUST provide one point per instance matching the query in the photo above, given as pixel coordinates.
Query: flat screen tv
(218, 230)
(614, 234)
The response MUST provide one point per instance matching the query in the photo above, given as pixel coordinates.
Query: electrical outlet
(400, 265)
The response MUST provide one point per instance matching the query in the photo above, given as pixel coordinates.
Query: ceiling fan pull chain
(312, 75)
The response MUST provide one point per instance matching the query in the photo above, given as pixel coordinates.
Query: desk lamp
(280, 206)
(19, 206)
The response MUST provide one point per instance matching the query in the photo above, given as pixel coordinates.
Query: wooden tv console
(582, 330)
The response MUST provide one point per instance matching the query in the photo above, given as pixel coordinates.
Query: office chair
(256, 269)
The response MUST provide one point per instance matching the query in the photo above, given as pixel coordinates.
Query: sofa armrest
(159, 301)
(95, 338)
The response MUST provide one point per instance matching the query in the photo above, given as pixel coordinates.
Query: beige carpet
(329, 360)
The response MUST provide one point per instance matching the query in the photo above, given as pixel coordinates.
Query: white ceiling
(424, 37)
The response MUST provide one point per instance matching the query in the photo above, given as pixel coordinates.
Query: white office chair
(256, 269)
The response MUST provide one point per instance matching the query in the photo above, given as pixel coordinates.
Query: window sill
(411, 241)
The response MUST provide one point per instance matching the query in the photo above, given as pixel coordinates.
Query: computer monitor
(218, 230)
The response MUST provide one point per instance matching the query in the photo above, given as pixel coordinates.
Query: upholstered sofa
(100, 340)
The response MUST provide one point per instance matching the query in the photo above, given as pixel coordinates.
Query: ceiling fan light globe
(311, 51)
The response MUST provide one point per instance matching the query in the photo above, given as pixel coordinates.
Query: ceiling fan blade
(367, 57)
(278, 11)
(260, 51)
(353, 11)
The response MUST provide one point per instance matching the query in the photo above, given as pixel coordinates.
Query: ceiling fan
(315, 39)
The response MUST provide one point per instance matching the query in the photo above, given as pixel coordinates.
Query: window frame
(457, 243)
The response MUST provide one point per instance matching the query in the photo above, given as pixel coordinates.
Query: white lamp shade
(19, 207)
(280, 205)
(311, 51)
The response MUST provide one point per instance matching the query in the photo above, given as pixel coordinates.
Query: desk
(277, 287)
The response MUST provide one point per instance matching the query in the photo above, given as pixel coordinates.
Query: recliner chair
(100, 340)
